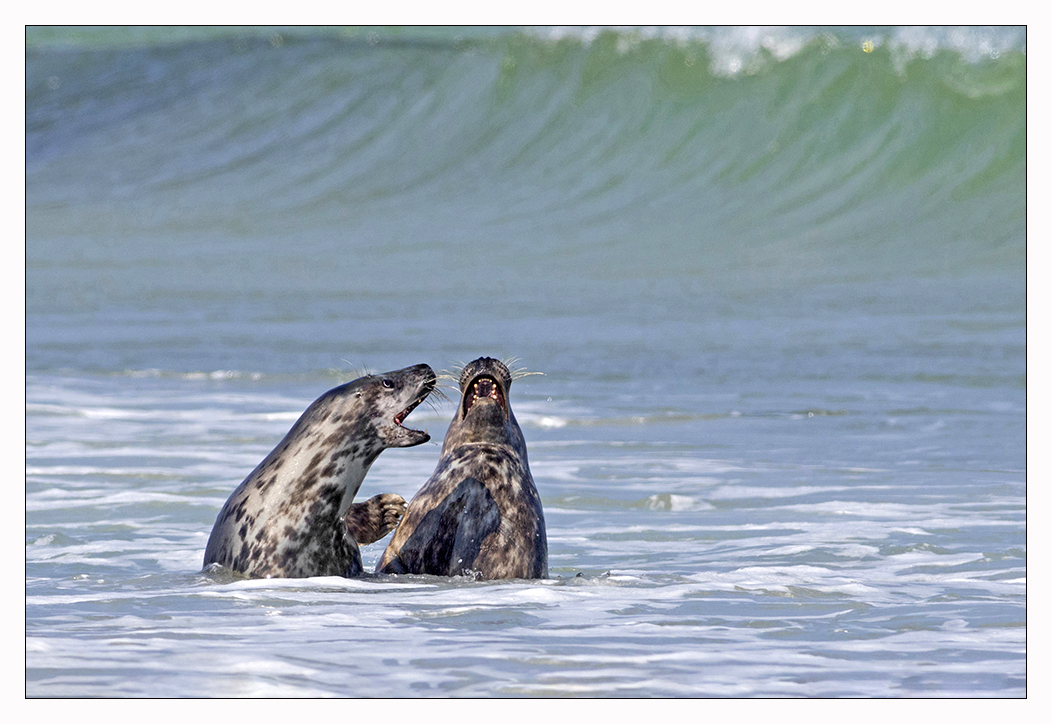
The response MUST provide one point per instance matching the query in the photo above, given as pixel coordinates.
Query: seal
(293, 517)
(479, 514)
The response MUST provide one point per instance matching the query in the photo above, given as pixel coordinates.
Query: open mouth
(429, 385)
(401, 416)
(485, 388)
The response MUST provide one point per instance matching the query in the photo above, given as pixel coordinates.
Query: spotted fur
(479, 514)
(293, 517)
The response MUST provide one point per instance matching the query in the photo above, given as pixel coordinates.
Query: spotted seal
(293, 517)
(479, 513)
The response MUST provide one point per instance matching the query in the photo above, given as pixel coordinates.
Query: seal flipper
(369, 521)
(448, 539)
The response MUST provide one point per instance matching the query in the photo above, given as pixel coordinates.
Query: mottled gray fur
(293, 517)
(479, 514)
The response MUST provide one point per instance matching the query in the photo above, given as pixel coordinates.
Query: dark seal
(293, 517)
(479, 514)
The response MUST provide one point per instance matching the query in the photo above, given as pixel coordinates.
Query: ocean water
(774, 280)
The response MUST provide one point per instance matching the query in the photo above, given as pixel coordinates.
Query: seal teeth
(483, 388)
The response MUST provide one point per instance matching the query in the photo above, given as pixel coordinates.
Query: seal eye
(388, 384)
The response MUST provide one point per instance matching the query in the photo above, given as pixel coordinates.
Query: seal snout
(427, 386)
(399, 393)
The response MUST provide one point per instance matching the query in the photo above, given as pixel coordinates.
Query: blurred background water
(774, 279)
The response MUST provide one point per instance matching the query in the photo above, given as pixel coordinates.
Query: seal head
(287, 518)
(484, 414)
(479, 513)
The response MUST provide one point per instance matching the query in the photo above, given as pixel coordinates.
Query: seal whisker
(437, 392)
(455, 374)
(359, 370)
(518, 373)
